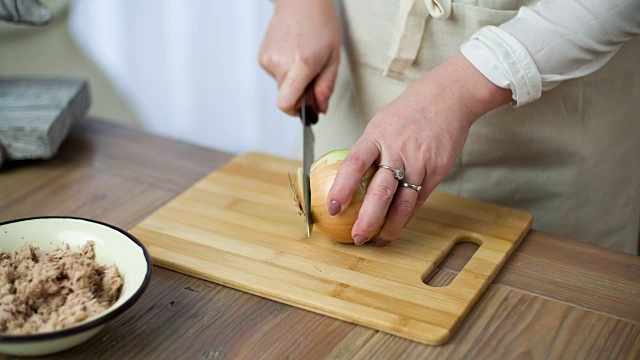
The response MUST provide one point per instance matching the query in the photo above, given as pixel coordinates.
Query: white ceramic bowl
(112, 246)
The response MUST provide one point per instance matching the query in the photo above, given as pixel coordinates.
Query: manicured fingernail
(382, 242)
(359, 239)
(334, 208)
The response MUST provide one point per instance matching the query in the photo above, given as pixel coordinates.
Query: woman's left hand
(421, 132)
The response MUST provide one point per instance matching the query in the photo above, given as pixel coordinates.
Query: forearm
(553, 41)
(459, 84)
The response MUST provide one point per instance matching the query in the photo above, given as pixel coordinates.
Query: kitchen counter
(554, 298)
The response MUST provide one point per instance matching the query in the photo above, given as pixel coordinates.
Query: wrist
(473, 89)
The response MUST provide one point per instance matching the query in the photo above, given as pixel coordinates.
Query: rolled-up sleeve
(552, 41)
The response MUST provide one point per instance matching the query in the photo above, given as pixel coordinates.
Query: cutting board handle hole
(452, 263)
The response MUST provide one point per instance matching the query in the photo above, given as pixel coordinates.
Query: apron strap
(407, 36)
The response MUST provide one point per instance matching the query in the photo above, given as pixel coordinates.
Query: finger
(325, 82)
(273, 62)
(267, 61)
(292, 86)
(428, 185)
(402, 207)
(349, 176)
(376, 202)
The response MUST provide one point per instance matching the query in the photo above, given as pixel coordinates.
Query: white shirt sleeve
(552, 41)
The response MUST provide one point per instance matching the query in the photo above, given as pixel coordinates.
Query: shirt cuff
(503, 60)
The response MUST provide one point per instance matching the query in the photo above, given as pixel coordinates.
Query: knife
(308, 116)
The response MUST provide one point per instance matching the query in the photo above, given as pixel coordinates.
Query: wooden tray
(239, 227)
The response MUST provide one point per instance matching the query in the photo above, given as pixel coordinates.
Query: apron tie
(407, 37)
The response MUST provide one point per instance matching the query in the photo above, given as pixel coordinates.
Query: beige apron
(572, 158)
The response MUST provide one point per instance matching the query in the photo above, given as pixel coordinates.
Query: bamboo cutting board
(240, 227)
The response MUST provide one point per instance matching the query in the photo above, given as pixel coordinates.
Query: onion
(323, 171)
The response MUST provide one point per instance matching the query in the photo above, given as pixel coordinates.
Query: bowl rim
(100, 320)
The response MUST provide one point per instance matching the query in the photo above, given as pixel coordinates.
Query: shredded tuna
(41, 292)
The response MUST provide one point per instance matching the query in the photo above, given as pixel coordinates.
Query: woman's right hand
(302, 44)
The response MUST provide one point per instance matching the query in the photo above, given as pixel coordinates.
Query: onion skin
(323, 171)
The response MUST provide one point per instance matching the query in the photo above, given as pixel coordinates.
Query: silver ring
(397, 173)
(411, 186)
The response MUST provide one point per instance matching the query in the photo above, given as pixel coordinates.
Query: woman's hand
(421, 132)
(302, 44)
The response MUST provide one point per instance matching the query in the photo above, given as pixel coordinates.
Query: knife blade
(308, 116)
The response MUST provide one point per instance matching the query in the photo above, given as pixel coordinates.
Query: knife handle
(308, 107)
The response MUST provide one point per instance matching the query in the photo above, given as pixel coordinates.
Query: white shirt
(552, 41)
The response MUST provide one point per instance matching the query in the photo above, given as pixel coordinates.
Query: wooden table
(555, 298)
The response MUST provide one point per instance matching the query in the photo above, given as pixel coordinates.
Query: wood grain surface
(555, 298)
(239, 227)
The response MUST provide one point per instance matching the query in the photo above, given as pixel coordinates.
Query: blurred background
(182, 69)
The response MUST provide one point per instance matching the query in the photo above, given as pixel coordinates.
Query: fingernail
(359, 239)
(334, 208)
(382, 242)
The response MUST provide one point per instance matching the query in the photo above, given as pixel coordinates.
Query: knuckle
(273, 63)
(382, 193)
(367, 229)
(441, 166)
(355, 163)
(305, 60)
(403, 208)
(266, 60)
